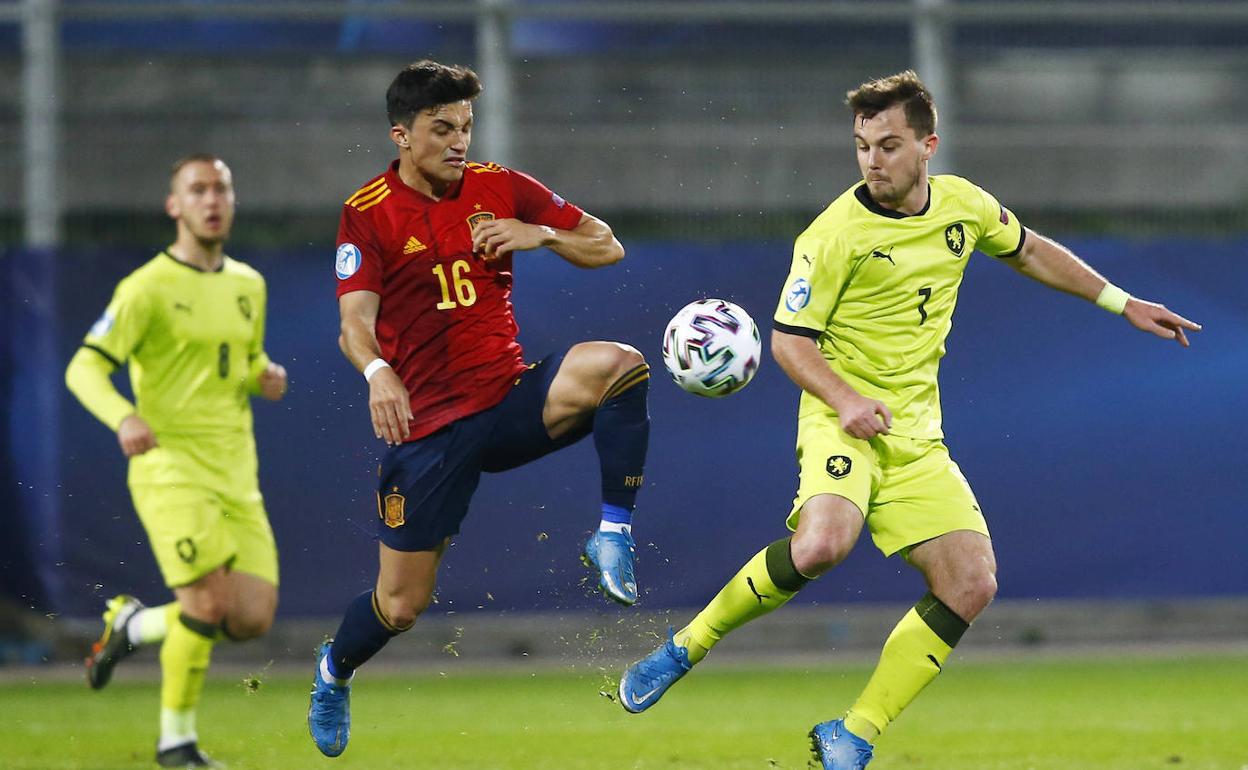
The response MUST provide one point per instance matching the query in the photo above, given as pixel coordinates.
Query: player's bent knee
(628, 357)
(244, 629)
(972, 593)
(205, 606)
(816, 552)
(402, 610)
(608, 359)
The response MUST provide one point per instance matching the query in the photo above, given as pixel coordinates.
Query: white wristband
(373, 366)
(1112, 299)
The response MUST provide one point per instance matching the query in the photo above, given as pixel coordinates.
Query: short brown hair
(425, 84)
(875, 96)
(186, 160)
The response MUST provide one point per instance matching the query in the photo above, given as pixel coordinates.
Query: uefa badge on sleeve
(346, 261)
(798, 295)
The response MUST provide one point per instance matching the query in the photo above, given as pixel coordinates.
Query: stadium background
(708, 134)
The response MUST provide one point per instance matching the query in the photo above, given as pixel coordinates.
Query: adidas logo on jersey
(413, 246)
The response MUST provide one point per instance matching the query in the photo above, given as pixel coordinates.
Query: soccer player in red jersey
(424, 268)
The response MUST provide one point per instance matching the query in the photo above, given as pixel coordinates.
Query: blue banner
(1109, 463)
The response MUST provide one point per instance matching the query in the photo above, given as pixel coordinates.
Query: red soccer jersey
(445, 321)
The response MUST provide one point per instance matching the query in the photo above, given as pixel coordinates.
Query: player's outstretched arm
(389, 404)
(590, 244)
(1050, 263)
(799, 357)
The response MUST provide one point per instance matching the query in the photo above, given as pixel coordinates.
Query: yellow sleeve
(816, 276)
(120, 330)
(88, 377)
(1001, 234)
(257, 358)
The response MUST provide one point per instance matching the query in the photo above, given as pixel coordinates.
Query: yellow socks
(913, 655)
(766, 582)
(184, 660)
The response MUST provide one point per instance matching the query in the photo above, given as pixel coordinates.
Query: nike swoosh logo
(642, 700)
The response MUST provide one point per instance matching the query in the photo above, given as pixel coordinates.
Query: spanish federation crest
(955, 238)
(480, 216)
(393, 510)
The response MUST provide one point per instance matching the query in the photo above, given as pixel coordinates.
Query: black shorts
(425, 485)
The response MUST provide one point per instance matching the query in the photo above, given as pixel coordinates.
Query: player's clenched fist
(273, 382)
(135, 436)
(864, 418)
(390, 406)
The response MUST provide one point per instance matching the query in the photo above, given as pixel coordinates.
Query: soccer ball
(712, 348)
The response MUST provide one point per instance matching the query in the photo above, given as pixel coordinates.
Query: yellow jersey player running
(190, 324)
(861, 327)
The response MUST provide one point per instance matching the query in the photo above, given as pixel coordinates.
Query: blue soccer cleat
(644, 682)
(612, 554)
(329, 714)
(838, 748)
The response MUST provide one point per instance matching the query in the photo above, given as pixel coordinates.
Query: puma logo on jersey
(877, 254)
(413, 246)
(182, 306)
(808, 262)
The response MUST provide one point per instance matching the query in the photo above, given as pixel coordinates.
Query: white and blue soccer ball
(712, 348)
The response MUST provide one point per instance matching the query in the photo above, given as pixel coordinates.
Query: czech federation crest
(839, 466)
(955, 238)
(798, 295)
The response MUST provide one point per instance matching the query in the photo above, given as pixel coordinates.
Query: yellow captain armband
(1112, 299)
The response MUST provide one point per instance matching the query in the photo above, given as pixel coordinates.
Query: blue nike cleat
(838, 748)
(329, 714)
(612, 554)
(644, 682)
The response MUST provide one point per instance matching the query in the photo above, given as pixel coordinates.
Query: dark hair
(186, 160)
(424, 84)
(875, 96)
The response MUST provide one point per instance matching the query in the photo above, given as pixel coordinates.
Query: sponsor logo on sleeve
(347, 261)
(559, 202)
(798, 295)
(103, 325)
(1005, 216)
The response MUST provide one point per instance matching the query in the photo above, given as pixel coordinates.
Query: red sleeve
(537, 205)
(357, 262)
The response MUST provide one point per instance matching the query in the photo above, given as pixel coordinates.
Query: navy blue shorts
(425, 485)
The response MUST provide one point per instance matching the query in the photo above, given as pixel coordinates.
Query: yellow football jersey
(876, 289)
(194, 342)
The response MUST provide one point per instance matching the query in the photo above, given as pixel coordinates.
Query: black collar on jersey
(193, 267)
(864, 197)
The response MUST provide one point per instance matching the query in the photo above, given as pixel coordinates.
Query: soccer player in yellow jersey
(190, 324)
(861, 328)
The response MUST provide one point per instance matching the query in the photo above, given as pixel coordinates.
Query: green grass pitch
(1129, 714)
